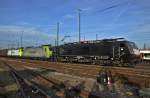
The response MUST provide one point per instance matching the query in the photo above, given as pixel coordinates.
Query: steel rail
(30, 83)
(18, 84)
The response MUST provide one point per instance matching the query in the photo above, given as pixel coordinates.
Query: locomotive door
(122, 54)
(117, 50)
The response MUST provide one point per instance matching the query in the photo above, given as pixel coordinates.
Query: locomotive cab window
(133, 45)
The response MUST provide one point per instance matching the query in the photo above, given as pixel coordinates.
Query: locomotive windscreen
(133, 45)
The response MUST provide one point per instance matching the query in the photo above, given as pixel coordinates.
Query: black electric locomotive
(107, 51)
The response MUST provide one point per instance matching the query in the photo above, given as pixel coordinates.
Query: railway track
(144, 66)
(139, 76)
(49, 88)
(75, 69)
(29, 88)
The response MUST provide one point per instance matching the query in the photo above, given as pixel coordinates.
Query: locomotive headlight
(112, 58)
(121, 49)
